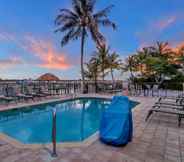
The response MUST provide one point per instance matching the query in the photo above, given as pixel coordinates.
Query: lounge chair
(6, 99)
(32, 93)
(25, 97)
(41, 93)
(177, 110)
(18, 95)
(176, 101)
(44, 92)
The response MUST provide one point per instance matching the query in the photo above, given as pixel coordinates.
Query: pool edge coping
(18, 144)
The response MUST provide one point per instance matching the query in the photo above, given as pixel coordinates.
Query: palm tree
(130, 65)
(77, 22)
(92, 70)
(141, 56)
(102, 55)
(114, 63)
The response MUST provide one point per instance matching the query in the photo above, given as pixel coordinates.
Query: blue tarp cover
(116, 125)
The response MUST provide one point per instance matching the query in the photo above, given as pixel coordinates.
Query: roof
(48, 77)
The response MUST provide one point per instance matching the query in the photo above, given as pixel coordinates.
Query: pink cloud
(43, 50)
(152, 31)
(164, 23)
(10, 62)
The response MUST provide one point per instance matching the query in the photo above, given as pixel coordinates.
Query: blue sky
(29, 47)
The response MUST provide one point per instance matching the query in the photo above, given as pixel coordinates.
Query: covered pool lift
(116, 127)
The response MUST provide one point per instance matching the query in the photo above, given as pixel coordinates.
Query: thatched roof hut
(48, 77)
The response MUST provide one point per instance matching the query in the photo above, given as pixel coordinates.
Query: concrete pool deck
(158, 140)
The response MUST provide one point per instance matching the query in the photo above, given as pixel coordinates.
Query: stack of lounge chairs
(169, 105)
(13, 94)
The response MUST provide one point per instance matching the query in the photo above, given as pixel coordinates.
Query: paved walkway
(158, 140)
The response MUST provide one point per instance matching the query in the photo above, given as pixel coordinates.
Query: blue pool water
(76, 120)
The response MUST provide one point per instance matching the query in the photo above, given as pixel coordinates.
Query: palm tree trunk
(131, 73)
(95, 84)
(82, 59)
(103, 72)
(112, 76)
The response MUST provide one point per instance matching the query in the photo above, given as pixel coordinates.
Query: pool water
(76, 120)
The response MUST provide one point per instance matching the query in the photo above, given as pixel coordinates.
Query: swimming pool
(77, 119)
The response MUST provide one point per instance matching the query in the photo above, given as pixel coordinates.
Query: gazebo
(48, 77)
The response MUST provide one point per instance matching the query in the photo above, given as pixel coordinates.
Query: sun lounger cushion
(116, 122)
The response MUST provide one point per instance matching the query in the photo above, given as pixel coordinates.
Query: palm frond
(65, 15)
(73, 34)
(67, 26)
(77, 6)
(97, 36)
(68, 12)
(103, 13)
(61, 19)
(91, 5)
(107, 23)
(67, 38)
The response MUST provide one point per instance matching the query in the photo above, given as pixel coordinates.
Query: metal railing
(64, 87)
(154, 89)
(60, 87)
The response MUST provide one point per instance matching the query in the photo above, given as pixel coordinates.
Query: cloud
(44, 50)
(10, 62)
(164, 23)
(6, 36)
(46, 53)
(154, 29)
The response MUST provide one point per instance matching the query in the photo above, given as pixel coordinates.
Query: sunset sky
(29, 47)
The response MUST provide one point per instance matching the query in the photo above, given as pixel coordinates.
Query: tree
(91, 71)
(77, 22)
(161, 49)
(130, 65)
(140, 57)
(102, 55)
(158, 68)
(159, 63)
(114, 63)
(179, 52)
